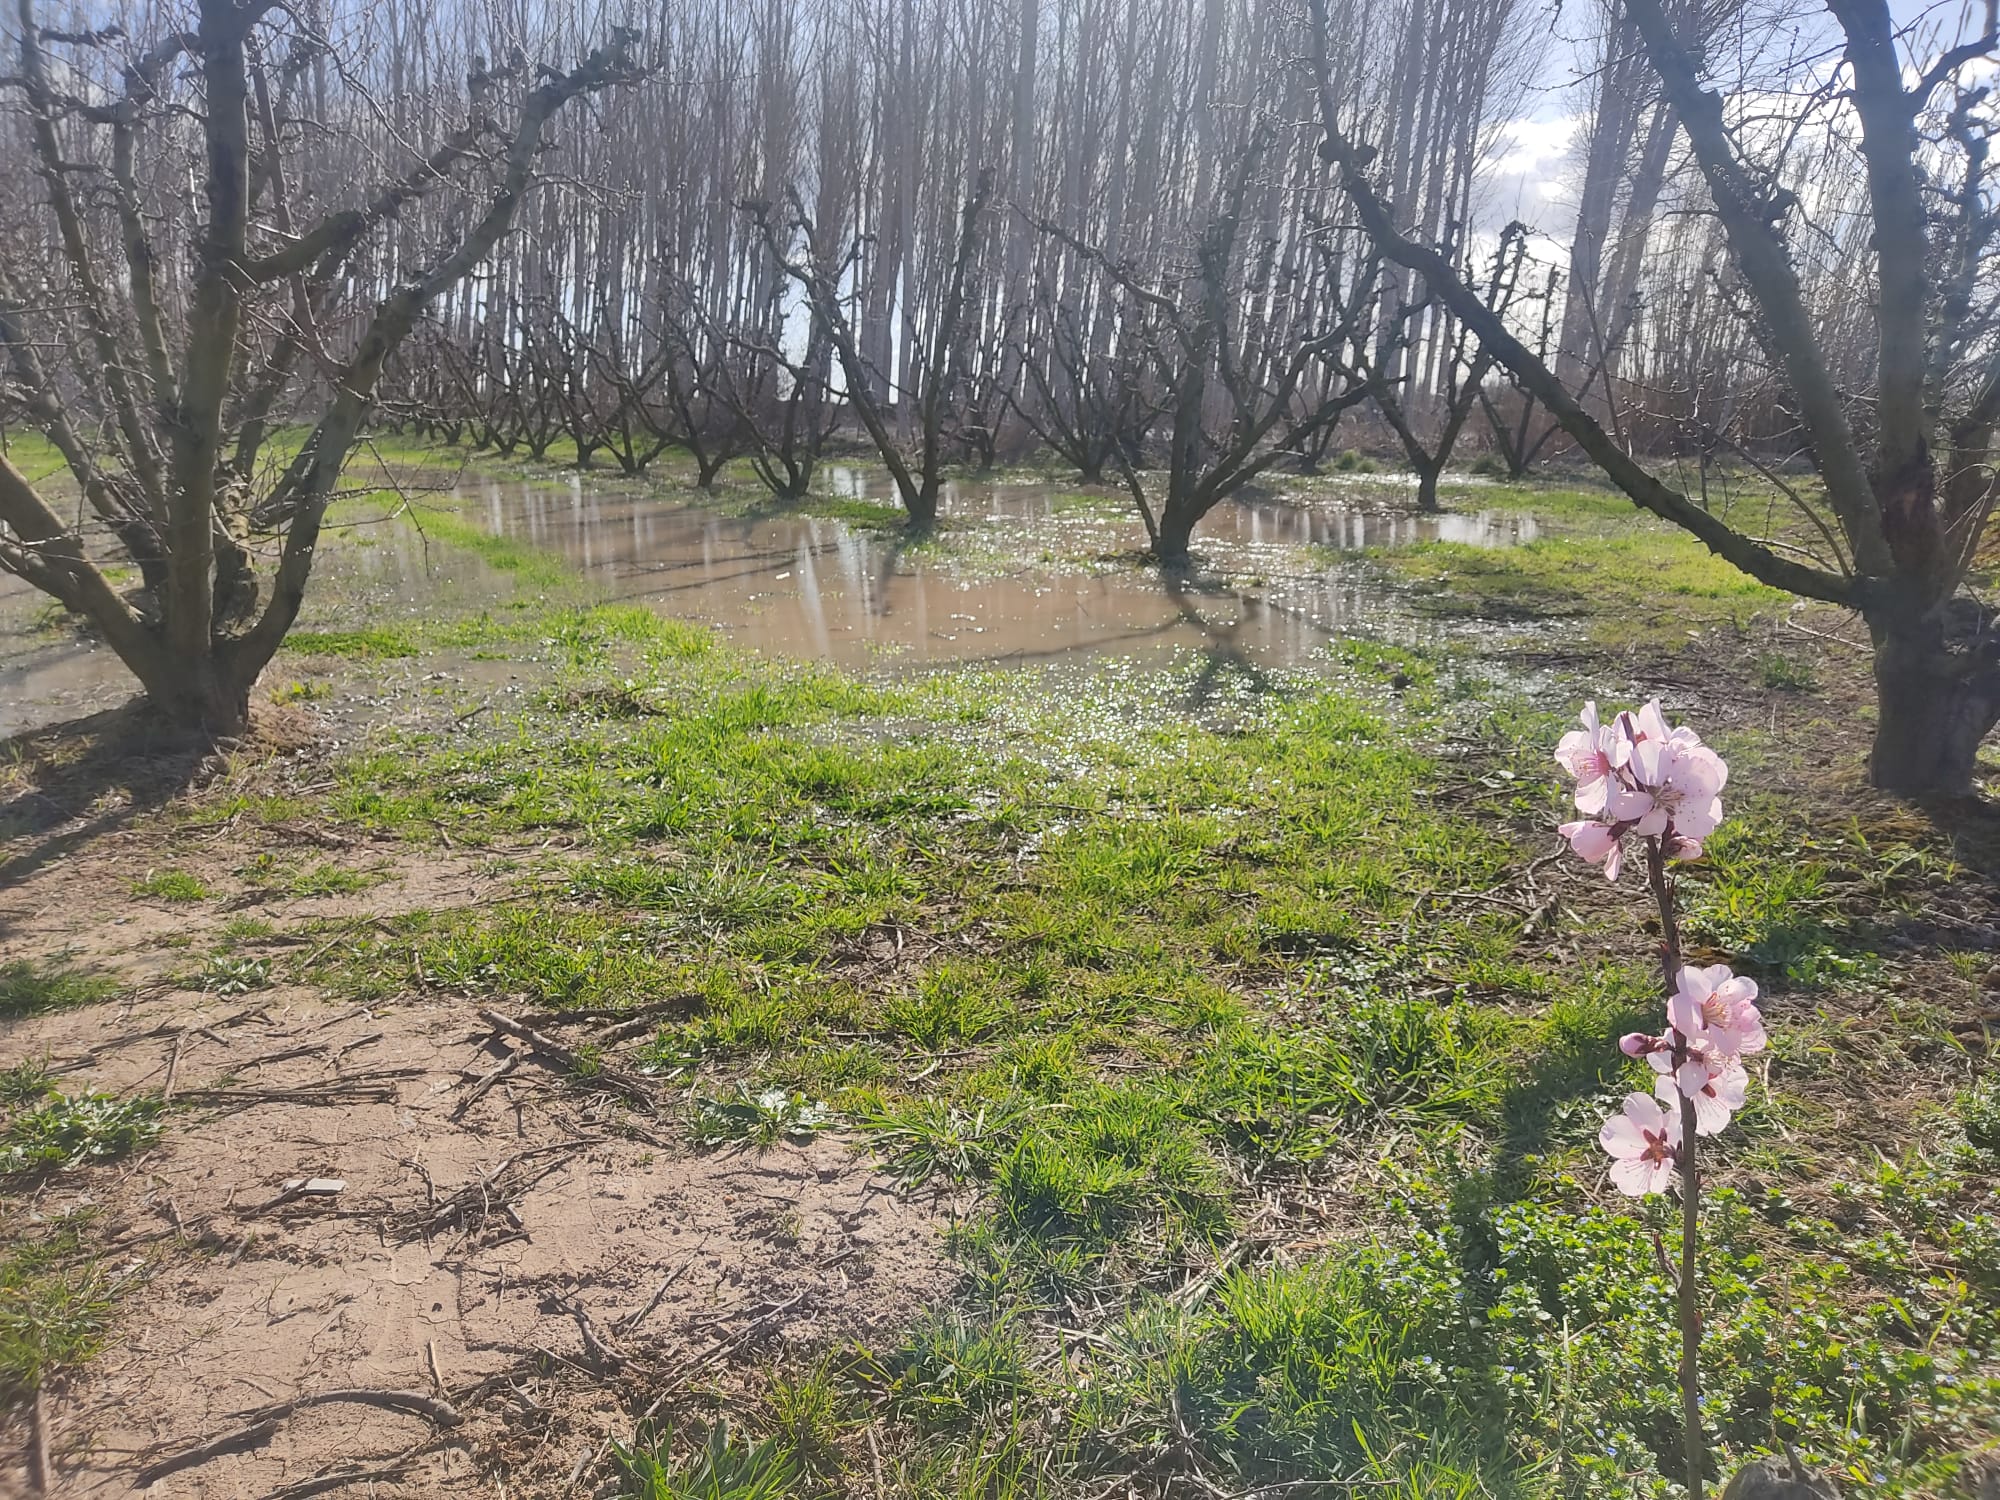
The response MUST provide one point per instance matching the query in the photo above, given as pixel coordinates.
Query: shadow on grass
(1580, 1062)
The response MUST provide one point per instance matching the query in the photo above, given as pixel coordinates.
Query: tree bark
(1177, 522)
(208, 695)
(1933, 707)
(1427, 490)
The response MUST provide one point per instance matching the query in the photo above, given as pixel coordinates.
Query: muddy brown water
(1031, 575)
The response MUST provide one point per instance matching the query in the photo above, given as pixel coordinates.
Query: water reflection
(802, 586)
(790, 585)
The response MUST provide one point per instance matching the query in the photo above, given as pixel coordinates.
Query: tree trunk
(1177, 523)
(1427, 489)
(922, 507)
(202, 694)
(1934, 706)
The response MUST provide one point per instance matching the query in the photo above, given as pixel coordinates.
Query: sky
(1534, 167)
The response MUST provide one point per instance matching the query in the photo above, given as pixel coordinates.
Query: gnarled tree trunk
(1936, 699)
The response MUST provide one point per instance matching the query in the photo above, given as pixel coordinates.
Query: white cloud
(1532, 148)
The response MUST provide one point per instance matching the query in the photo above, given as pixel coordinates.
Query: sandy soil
(535, 1266)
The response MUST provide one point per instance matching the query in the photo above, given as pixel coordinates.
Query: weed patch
(29, 986)
(55, 1305)
(375, 644)
(65, 1130)
(170, 885)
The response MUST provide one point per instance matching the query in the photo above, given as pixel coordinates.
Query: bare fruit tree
(931, 373)
(1236, 391)
(1904, 465)
(157, 351)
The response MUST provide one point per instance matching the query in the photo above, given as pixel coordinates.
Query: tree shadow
(1223, 652)
(67, 784)
(1970, 826)
(1582, 1061)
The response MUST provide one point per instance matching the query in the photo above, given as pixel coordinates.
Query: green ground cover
(1241, 1028)
(1272, 1135)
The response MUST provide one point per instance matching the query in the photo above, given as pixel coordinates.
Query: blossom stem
(1690, 1305)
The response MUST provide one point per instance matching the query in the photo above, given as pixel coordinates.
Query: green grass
(25, 1083)
(1164, 977)
(272, 875)
(1618, 589)
(170, 885)
(55, 1306)
(365, 645)
(722, 1469)
(1256, 1073)
(31, 986)
(529, 566)
(34, 455)
(60, 1131)
(873, 515)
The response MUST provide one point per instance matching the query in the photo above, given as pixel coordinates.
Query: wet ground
(1025, 573)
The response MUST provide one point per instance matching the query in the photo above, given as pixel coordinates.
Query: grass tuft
(723, 1469)
(71, 1130)
(28, 987)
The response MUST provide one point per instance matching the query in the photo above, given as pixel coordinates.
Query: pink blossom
(1637, 775)
(1716, 1008)
(1716, 1086)
(1641, 1144)
(1638, 1044)
(1714, 1083)
(1596, 843)
(1679, 777)
(1592, 754)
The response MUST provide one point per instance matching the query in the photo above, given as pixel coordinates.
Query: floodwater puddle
(1026, 573)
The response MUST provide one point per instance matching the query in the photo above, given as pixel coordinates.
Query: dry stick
(706, 1358)
(461, 1200)
(304, 1049)
(633, 1088)
(601, 1352)
(1690, 1302)
(592, 1015)
(264, 1422)
(319, 1484)
(173, 1067)
(632, 1320)
(486, 1082)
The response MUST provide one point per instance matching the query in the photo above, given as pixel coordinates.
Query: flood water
(1028, 574)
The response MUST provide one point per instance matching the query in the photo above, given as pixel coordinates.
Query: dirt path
(542, 1258)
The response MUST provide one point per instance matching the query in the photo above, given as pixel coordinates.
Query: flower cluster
(1637, 776)
(1712, 1025)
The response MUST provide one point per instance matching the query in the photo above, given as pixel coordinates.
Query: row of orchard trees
(965, 229)
(1174, 241)
(1097, 227)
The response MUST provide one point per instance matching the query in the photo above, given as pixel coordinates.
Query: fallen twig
(480, 1195)
(486, 1081)
(319, 1484)
(594, 1015)
(632, 1087)
(633, 1319)
(299, 1187)
(262, 1423)
(173, 1067)
(378, 1086)
(601, 1352)
(41, 1467)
